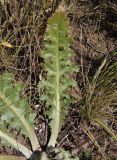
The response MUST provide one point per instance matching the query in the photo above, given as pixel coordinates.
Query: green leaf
(15, 110)
(58, 67)
(64, 155)
(15, 144)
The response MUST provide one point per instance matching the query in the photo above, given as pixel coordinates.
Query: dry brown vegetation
(90, 129)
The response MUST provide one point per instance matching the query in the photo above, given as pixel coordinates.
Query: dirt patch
(92, 42)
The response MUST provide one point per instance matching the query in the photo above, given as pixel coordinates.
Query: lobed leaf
(15, 110)
(64, 155)
(58, 67)
(15, 144)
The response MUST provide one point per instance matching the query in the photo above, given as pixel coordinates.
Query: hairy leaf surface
(59, 68)
(14, 110)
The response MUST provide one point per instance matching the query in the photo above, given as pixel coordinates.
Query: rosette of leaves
(55, 87)
(58, 68)
(15, 112)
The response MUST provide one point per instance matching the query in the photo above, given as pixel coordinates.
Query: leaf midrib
(23, 121)
(56, 127)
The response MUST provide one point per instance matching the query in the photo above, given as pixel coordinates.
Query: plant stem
(44, 156)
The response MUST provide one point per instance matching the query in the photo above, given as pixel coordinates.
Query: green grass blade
(90, 135)
(104, 125)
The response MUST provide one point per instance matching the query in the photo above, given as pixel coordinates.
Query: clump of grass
(101, 92)
(100, 99)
